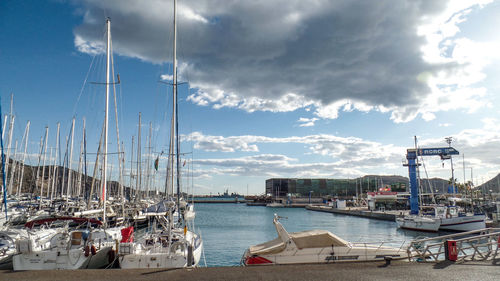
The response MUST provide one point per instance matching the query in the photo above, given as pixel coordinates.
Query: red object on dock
(451, 251)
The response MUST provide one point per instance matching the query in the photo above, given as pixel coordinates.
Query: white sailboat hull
(71, 259)
(463, 223)
(158, 257)
(419, 223)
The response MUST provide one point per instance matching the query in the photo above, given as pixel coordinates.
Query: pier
(360, 212)
(396, 270)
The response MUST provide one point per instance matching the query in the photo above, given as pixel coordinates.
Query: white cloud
(307, 122)
(89, 47)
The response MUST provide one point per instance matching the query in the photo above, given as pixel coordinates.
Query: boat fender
(93, 250)
(87, 250)
(111, 256)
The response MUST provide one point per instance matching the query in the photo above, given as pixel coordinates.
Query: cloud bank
(401, 57)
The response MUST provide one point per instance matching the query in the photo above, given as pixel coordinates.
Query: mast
(3, 169)
(105, 155)
(43, 165)
(85, 160)
(80, 164)
(176, 107)
(130, 190)
(418, 177)
(139, 171)
(9, 145)
(11, 128)
(15, 163)
(21, 177)
(55, 177)
(96, 165)
(120, 156)
(70, 159)
(148, 170)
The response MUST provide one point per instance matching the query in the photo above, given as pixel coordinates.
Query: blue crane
(411, 156)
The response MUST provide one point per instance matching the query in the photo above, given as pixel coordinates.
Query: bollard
(450, 250)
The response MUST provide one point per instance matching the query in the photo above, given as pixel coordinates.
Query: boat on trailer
(315, 246)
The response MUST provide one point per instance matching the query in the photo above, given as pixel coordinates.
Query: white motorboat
(315, 246)
(275, 205)
(419, 223)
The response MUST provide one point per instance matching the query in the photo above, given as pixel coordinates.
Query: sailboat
(416, 220)
(88, 245)
(169, 244)
(446, 218)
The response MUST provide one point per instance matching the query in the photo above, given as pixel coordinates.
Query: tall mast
(175, 106)
(105, 155)
(120, 155)
(3, 169)
(130, 190)
(43, 165)
(9, 145)
(55, 177)
(148, 169)
(69, 186)
(139, 170)
(21, 177)
(15, 163)
(449, 140)
(81, 161)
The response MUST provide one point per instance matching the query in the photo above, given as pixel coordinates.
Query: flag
(156, 162)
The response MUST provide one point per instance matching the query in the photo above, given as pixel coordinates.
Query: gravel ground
(489, 270)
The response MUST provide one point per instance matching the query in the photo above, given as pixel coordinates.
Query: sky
(307, 89)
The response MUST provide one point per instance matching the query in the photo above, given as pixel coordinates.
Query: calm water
(229, 229)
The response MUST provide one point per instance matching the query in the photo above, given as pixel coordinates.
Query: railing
(482, 244)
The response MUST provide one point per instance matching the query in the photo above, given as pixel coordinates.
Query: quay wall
(387, 216)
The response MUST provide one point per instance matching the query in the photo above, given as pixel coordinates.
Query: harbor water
(229, 229)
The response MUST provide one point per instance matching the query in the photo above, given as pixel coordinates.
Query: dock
(359, 212)
(396, 270)
(201, 201)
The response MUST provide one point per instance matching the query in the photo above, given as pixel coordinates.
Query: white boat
(166, 248)
(173, 245)
(275, 205)
(315, 246)
(39, 239)
(445, 218)
(419, 223)
(68, 249)
(452, 220)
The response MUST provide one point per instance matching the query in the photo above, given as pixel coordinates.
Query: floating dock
(359, 212)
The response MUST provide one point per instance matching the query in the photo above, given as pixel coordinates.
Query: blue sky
(331, 89)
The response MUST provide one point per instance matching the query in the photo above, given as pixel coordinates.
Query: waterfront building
(334, 187)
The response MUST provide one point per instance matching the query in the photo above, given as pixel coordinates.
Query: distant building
(334, 187)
